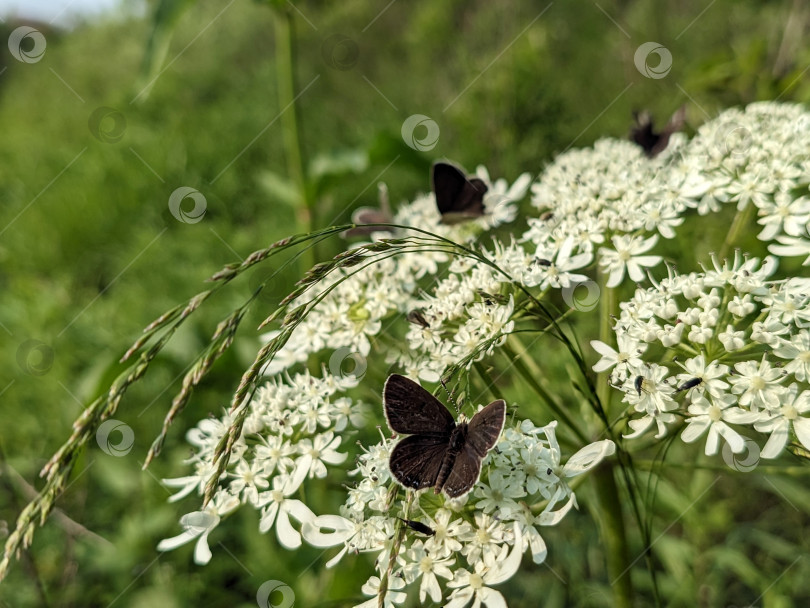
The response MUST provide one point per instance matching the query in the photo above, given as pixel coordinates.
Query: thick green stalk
(741, 221)
(611, 518)
(290, 126)
(612, 528)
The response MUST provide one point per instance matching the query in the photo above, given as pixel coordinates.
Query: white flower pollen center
(715, 413)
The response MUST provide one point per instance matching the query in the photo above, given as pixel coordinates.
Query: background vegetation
(89, 253)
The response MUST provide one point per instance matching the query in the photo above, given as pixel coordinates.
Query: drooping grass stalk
(58, 469)
(356, 258)
(290, 124)
(607, 305)
(395, 547)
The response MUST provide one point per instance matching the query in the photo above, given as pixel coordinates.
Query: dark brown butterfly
(458, 197)
(652, 142)
(439, 453)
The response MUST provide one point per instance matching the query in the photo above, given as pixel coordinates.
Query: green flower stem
(611, 518)
(290, 125)
(530, 372)
(612, 528)
(741, 221)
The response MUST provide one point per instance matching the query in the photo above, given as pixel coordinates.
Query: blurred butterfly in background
(371, 215)
(439, 453)
(652, 142)
(459, 198)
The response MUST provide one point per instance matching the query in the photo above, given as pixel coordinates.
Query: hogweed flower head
(720, 353)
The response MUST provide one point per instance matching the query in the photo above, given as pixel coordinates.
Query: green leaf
(279, 188)
(338, 163)
(167, 15)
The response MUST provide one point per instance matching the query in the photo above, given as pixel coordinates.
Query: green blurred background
(89, 252)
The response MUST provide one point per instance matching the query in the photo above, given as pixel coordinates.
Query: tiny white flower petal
(538, 548)
(695, 428)
(332, 562)
(202, 553)
(342, 530)
(777, 441)
(507, 569)
(802, 428)
(299, 510)
(269, 517)
(552, 518)
(460, 598)
(713, 441)
(603, 349)
(287, 535)
(588, 457)
(169, 544)
(616, 276)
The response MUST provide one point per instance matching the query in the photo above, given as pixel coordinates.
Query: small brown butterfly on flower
(439, 453)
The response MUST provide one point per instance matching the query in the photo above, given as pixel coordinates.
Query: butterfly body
(438, 453)
(651, 141)
(458, 437)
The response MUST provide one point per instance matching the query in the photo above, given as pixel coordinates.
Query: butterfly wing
(642, 132)
(458, 198)
(410, 409)
(415, 461)
(485, 428)
(676, 123)
(464, 473)
(482, 435)
(448, 183)
(368, 215)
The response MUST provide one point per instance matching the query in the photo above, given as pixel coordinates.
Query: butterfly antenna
(450, 396)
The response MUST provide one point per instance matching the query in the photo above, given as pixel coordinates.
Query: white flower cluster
(294, 430)
(714, 352)
(698, 354)
(612, 191)
(456, 320)
(757, 156)
(361, 299)
(462, 544)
